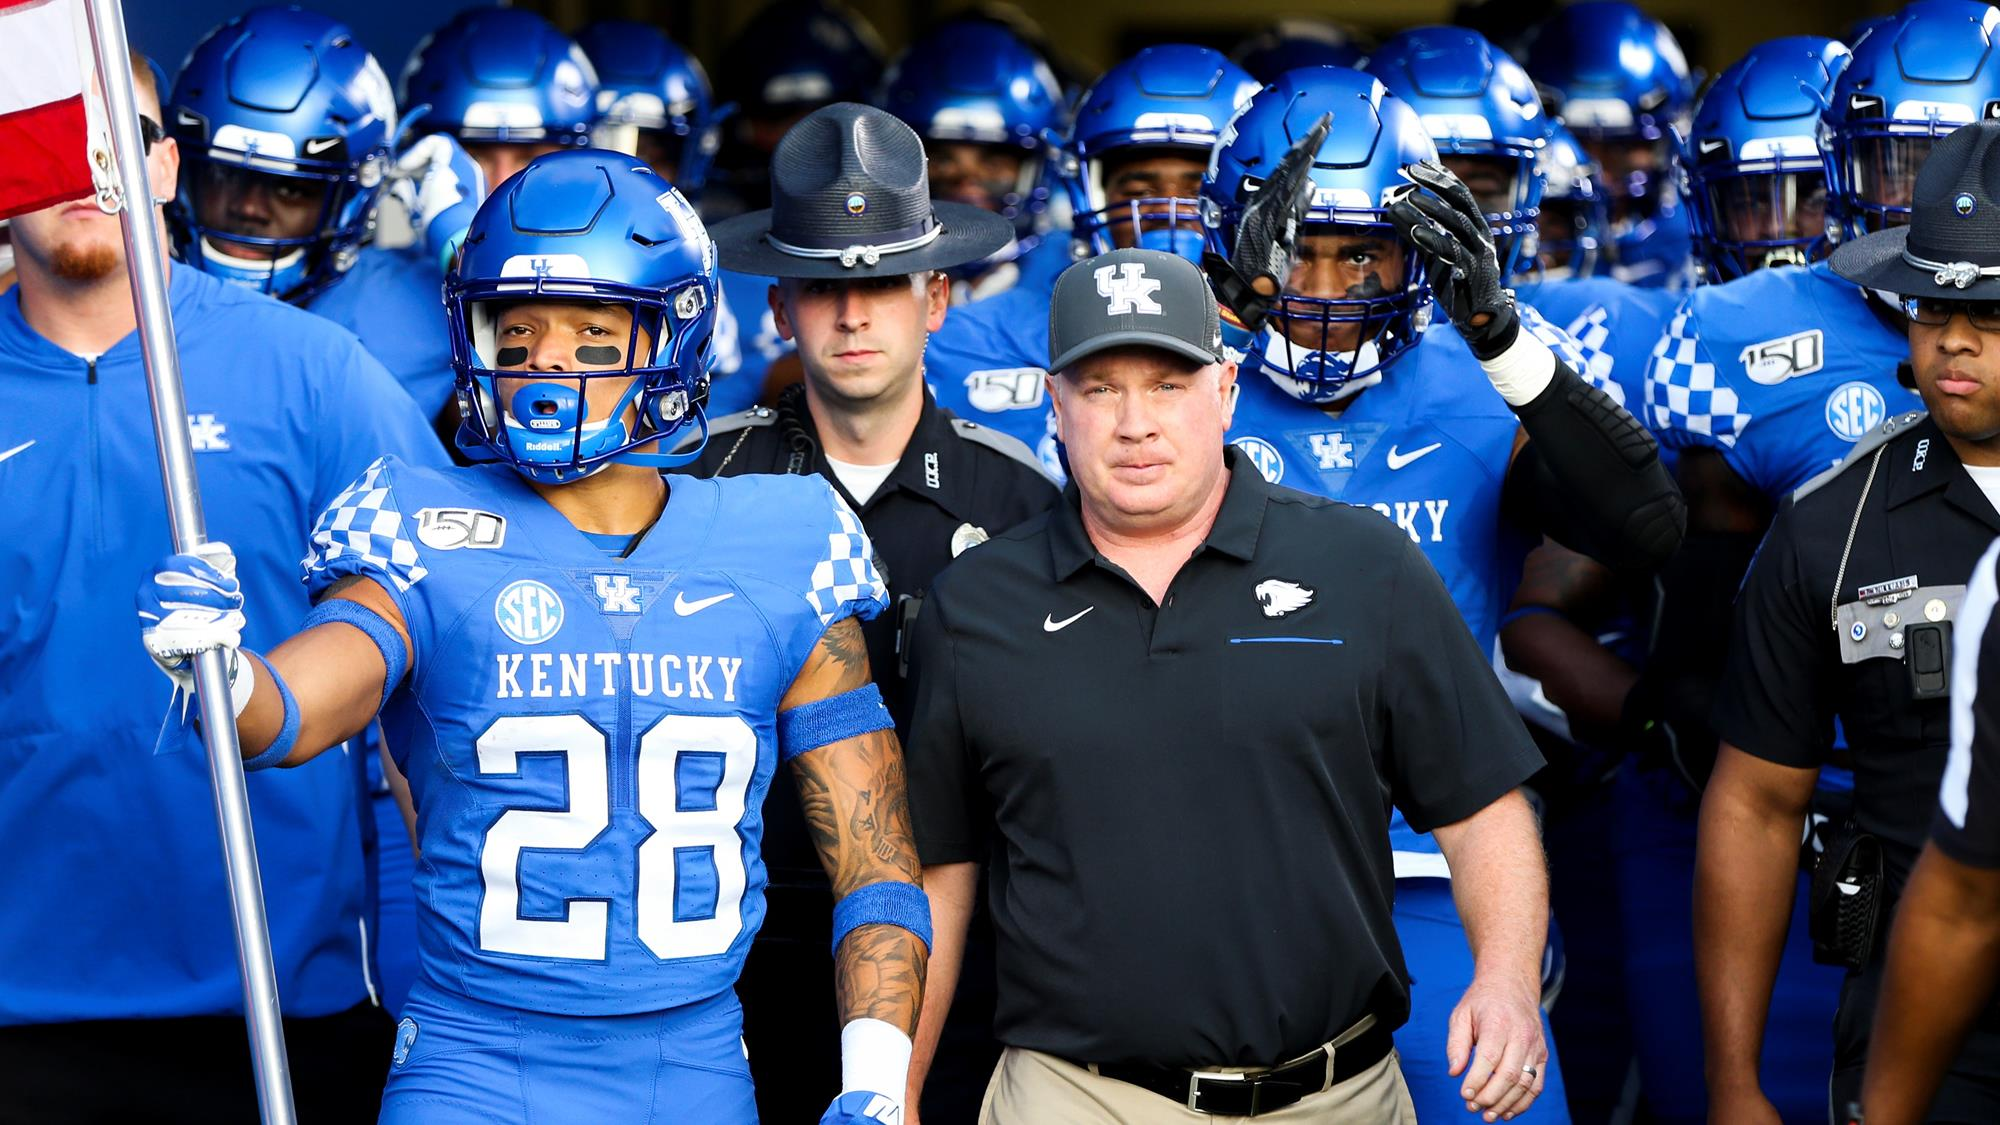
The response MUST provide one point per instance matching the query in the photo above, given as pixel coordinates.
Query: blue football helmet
(1755, 186)
(1173, 97)
(1574, 218)
(1356, 175)
(1290, 44)
(279, 115)
(653, 100)
(591, 227)
(797, 55)
(501, 75)
(974, 81)
(1932, 68)
(1482, 111)
(1618, 79)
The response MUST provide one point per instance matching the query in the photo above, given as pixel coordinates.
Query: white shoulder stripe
(1967, 639)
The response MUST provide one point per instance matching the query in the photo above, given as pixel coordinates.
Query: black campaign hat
(850, 197)
(1951, 249)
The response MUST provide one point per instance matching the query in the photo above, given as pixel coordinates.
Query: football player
(986, 104)
(1762, 383)
(285, 125)
(1346, 394)
(791, 58)
(655, 103)
(1131, 165)
(589, 672)
(506, 84)
(1618, 79)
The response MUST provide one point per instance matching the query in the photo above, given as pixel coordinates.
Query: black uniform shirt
(957, 482)
(1967, 827)
(1189, 803)
(1792, 669)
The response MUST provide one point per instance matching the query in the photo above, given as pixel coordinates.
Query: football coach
(1172, 715)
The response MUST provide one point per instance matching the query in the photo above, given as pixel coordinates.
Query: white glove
(192, 603)
(441, 186)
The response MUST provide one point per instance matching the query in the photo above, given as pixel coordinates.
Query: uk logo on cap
(1127, 289)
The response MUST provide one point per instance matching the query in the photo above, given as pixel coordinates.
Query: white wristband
(874, 1057)
(1523, 371)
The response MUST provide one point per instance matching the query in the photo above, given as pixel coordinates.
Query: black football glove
(1267, 236)
(1444, 224)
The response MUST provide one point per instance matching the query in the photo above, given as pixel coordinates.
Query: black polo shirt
(1189, 803)
(1792, 670)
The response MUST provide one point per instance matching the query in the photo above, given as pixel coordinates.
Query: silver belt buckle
(1195, 1078)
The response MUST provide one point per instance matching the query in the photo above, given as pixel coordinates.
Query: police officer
(1186, 807)
(1944, 953)
(1847, 614)
(858, 248)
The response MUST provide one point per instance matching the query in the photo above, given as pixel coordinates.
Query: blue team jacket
(116, 904)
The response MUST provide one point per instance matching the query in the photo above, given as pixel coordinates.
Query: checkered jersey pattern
(1566, 348)
(363, 532)
(1592, 332)
(1682, 393)
(847, 573)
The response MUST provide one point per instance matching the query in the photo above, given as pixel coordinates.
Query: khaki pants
(1031, 1088)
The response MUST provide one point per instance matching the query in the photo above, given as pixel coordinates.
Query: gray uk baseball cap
(1133, 297)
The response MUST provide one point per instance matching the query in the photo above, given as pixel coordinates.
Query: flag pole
(146, 268)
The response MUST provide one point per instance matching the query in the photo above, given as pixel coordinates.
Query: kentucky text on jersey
(573, 675)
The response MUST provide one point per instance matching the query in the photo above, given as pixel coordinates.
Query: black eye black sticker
(512, 357)
(598, 354)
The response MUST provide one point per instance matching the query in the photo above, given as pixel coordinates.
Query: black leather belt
(1248, 1093)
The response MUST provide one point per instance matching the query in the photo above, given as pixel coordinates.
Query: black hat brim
(1875, 261)
(970, 234)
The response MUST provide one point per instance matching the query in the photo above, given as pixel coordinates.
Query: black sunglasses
(150, 132)
(1936, 312)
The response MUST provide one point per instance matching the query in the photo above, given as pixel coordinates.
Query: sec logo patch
(1853, 409)
(1264, 455)
(528, 612)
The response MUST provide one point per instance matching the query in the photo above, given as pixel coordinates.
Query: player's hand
(1496, 1046)
(190, 604)
(1443, 223)
(862, 1107)
(1267, 234)
(441, 186)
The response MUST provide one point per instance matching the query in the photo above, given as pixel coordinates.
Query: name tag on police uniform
(1903, 621)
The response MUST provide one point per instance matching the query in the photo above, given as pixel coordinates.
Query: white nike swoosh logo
(1398, 460)
(18, 448)
(315, 147)
(1051, 625)
(685, 607)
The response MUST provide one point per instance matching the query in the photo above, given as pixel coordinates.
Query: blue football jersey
(1781, 370)
(988, 364)
(746, 343)
(1613, 324)
(393, 300)
(1655, 252)
(1427, 447)
(589, 739)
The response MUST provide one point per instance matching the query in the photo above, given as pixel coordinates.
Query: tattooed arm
(858, 813)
